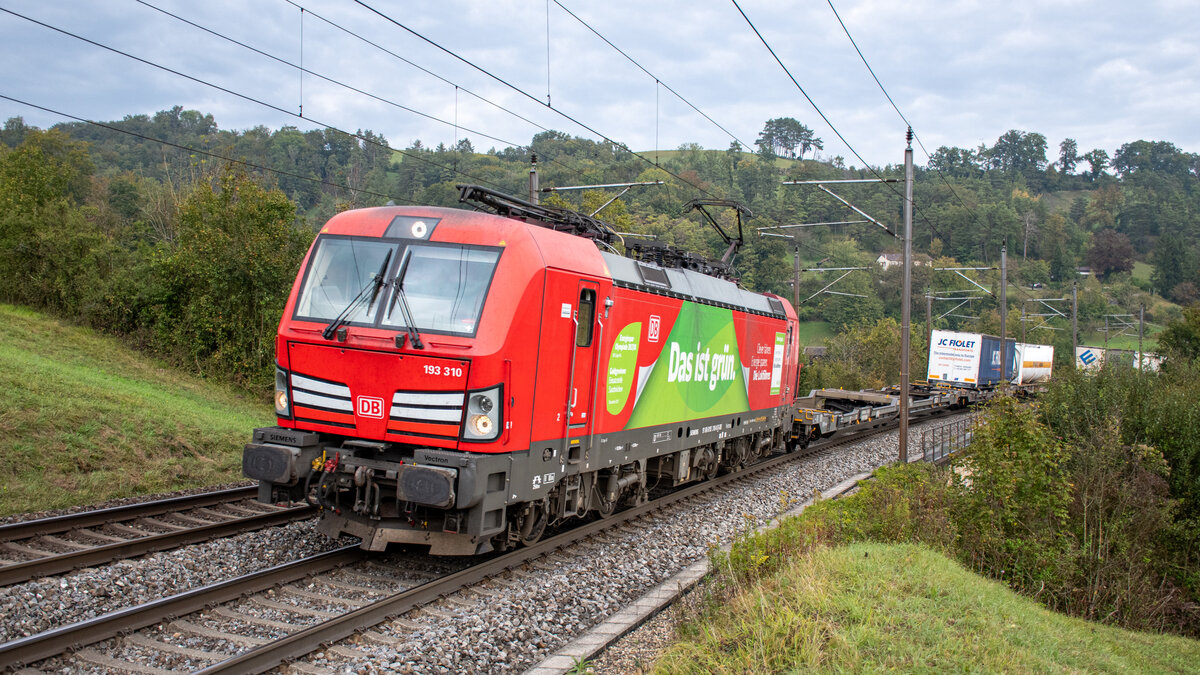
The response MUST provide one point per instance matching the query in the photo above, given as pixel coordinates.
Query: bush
(1014, 500)
(1161, 411)
(1118, 516)
(221, 283)
(1083, 524)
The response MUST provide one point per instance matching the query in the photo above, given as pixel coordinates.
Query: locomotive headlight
(481, 425)
(483, 415)
(283, 406)
(482, 403)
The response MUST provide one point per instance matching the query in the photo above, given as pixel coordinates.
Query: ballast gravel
(506, 626)
(42, 604)
(592, 581)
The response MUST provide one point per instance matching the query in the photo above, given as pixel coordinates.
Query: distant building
(813, 353)
(1084, 271)
(886, 260)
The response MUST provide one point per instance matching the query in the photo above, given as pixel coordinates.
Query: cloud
(1104, 73)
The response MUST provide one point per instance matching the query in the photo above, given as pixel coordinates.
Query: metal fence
(940, 441)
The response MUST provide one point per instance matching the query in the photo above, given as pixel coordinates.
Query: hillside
(84, 419)
(875, 607)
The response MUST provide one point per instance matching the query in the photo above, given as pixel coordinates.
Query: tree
(1060, 249)
(1104, 208)
(14, 132)
(1110, 252)
(1029, 208)
(222, 284)
(1098, 160)
(42, 182)
(809, 142)
(1068, 156)
(1146, 156)
(1181, 339)
(1018, 151)
(958, 162)
(1170, 260)
(783, 135)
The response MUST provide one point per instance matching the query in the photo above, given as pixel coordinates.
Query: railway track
(262, 620)
(49, 546)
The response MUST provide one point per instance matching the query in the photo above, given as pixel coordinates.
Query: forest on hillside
(184, 239)
(185, 236)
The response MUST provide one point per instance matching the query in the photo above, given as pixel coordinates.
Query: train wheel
(709, 465)
(604, 507)
(533, 523)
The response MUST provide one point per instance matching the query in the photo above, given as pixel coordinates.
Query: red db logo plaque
(370, 407)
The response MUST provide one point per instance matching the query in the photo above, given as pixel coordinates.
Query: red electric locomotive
(462, 380)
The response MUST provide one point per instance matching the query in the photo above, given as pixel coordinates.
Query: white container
(1034, 363)
(954, 357)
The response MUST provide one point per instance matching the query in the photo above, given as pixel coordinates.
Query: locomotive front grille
(322, 401)
(426, 413)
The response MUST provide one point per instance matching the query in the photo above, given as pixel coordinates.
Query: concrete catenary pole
(796, 274)
(533, 179)
(928, 318)
(1141, 329)
(1004, 317)
(906, 298)
(1074, 323)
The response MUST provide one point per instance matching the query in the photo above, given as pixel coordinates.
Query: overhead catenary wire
(419, 67)
(817, 108)
(349, 87)
(458, 86)
(246, 97)
(811, 102)
(527, 95)
(214, 155)
(305, 71)
(657, 80)
(916, 136)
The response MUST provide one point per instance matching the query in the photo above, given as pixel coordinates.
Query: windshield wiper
(414, 337)
(373, 286)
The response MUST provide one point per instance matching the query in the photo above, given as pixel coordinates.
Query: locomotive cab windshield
(441, 286)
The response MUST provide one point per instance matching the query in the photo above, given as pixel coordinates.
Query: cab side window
(587, 312)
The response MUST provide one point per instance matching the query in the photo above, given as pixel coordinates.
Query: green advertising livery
(698, 374)
(622, 368)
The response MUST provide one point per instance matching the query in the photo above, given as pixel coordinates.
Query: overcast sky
(1103, 72)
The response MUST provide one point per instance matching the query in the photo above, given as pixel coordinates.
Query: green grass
(1061, 201)
(1118, 341)
(84, 419)
(1142, 270)
(813, 333)
(874, 607)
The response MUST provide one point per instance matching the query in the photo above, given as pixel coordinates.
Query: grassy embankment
(875, 607)
(814, 333)
(84, 419)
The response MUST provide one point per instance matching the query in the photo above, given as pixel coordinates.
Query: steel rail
(299, 644)
(25, 570)
(16, 654)
(84, 519)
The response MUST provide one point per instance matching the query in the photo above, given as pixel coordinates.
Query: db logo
(370, 407)
(653, 336)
